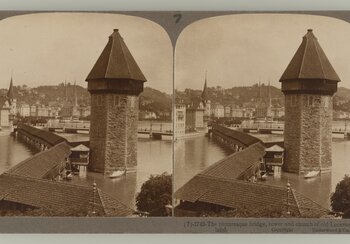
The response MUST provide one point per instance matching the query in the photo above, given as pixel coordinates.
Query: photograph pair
(241, 116)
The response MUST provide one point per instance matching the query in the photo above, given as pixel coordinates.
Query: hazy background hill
(159, 102)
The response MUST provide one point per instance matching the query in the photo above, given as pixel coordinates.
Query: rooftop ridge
(242, 182)
(46, 181)
(309, 199)
(107, 194)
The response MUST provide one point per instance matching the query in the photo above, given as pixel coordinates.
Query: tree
(340, 199)
(155, 194)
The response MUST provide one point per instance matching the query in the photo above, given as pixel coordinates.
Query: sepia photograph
(85, 116)
(261, 117)
(176, 122)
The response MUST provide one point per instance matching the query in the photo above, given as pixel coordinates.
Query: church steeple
(75, 95)
(205, 92)
(10, 95)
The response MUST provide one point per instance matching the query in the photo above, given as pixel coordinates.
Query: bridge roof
(116, 62)
(41, 164)
(242, 137)
(59, 198)
(51, 138)
(310, 62)
(238, 194)
(236, 164)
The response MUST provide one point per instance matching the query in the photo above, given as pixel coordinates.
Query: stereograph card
(174, 122)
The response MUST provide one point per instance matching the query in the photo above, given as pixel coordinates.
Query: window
(132, 102)
(293, 100)
(317, 101)
(116, 100)
(99, 100)
(326, 102)
(310, 101)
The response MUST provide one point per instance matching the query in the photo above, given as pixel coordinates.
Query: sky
(49, 48)
(241, 50)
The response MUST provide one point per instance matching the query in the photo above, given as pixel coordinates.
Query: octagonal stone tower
(115, 83)
(308, 84)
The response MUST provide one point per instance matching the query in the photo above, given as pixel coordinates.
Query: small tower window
(117, 101)
(317, 101)
(310, 101)
(99, 100)
(326, 102)
(132, 102)
(293, 101)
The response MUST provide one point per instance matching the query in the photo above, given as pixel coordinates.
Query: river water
(195, 154)
(154, 157)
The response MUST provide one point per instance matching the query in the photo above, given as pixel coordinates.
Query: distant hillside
(155, 101)
(46, 94)
(342, 100)
(240, 95)
(236, 95)
(150, 99)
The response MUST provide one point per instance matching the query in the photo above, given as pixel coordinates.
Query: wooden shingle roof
(116, 62)
(238, 194)
(234, 165)
(310, 62)
(59, 198)
(46, 136)
(239, 136)
(40, 164)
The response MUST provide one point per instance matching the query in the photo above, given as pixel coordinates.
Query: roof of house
(39, 165)
(274, 148)
(238, 194)
(242, 137)
(236, 164)
(116, 62)
(58, 197)
(310, 62)
(80, 148)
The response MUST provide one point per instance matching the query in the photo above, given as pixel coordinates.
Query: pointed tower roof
(310, 62)
(10, 91)
(205, 92)
(116, 62)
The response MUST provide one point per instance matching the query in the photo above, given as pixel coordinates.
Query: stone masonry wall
(326, 133)
(98, 129)
(308, 135)
(121, 138)
(113, 132)
(292, 135)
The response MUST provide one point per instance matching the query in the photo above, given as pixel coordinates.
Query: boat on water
(264, 177)
(311, 174)
(116, 174)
